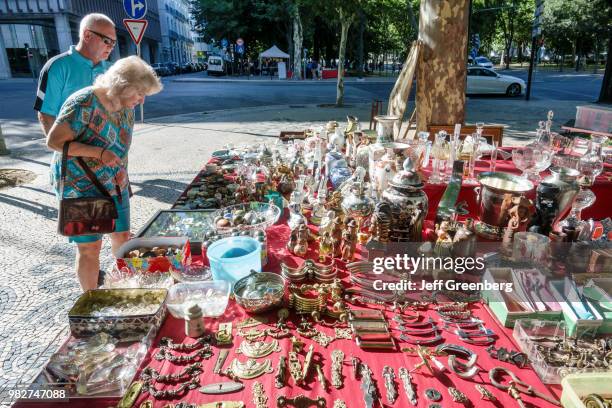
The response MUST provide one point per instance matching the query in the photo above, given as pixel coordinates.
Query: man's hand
(110, 159)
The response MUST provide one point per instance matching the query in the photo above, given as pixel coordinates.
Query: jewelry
(204, 353)
(149, 373)
(432, 394)
(322, 339)
(321, 377)
(281, 373)
(301, 401)
(224, 334)
(339, 404)
(248, 370)
(337, 357)
(465, 371)
(252, 321)
(221, 388)
(223, 353)
(356, 363)
(408, 385)
(307, 362)
(457, 395)
(167, 343)
(343, 333)
(259, 395)
(295, 368)
(485, 393)
(252, 334)
(370, 393)
(389, 377)
(258, 349)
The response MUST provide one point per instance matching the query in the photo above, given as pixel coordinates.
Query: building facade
(175, 23)
(32, 31)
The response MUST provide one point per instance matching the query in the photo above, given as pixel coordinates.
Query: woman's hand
(109, 158)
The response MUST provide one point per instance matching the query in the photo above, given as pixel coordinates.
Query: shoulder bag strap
(93, 178)
(64, 169)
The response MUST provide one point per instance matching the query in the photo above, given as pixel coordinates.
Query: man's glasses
(105, 39)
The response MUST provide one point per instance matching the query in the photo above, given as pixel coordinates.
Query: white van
(216, 65)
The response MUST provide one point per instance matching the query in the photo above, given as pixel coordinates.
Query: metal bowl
(260, 291)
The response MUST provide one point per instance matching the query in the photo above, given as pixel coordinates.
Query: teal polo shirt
(62, 76)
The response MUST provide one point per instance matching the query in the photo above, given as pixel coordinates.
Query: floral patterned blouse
(94, 126)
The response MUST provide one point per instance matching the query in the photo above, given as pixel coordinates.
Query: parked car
(483, 62)
(173, 68)
(160, 69)
(486, 81)
(186, 67)
(216, 65)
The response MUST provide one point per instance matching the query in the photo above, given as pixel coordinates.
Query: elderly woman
(98, 122)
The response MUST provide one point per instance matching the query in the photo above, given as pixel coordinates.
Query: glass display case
(193, 224)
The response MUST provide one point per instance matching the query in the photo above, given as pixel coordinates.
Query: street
(226, 93)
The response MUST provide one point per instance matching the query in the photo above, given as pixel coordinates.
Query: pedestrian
(76, 68)
(313, 69)
(98, 121)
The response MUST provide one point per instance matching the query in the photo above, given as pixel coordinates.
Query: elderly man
(76, 68)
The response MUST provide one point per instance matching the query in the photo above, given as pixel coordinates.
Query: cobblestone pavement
(38, 286)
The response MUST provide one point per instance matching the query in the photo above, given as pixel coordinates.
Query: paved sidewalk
(38, 285)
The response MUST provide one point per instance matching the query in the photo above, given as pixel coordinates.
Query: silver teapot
(409, 204)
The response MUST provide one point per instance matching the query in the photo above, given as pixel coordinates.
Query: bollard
(3, 150)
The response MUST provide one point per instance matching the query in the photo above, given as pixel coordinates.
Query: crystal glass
(440, 153)
(471, 152)
(591, 164)
(584, 199)
(579, 146)
(542, 159)
(520, 161)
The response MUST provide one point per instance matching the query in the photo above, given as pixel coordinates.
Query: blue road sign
(224, 43)
(136, 9)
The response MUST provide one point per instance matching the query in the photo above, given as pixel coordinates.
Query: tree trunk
(605, 95)
(441, 70)
(360, 45)
(345, 24)
(298, 37)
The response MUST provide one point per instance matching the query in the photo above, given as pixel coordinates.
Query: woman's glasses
(105, 39)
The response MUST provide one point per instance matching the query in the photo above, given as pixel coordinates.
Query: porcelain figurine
(444, 242)
(380, 223)
(519, 215)
(336, 232)
(349, 241)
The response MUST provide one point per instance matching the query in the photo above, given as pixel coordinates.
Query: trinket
(339, 404)
(259, 395)
(408, 385)
(356, 364)
(221, 388)
(389, 377)
(432, 394)
(343, 334)
(321, 376)
(224, 334)
(295, 368)
(515, 386)
(349, 242)
(485, 393)
(298, 241)
(326, 246)
(258, 349)
(194, 325)
(309, 271)
(167, 343)
(336, 368)
(149, 373)
(370, 393)
(301, 401)
(502, 354)
(248, 370)
(191, 383)
(296, 344)
(322, 339)
(252, 321)
(307, 362)
(252, 335)
(223, 353)
(457, 395)
(280, 379)
(147, 404)
(165, 354)
(465, 371)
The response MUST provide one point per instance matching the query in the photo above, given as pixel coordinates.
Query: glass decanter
(440, 153)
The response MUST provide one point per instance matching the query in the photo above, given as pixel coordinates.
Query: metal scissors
(515, 386)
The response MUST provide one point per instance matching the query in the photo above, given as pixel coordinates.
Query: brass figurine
(280, 379)
(349, 241)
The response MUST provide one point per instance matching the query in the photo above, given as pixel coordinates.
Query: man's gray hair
(90, 21)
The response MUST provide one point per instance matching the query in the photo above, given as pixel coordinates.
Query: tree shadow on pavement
(32, 206)
(165, 191)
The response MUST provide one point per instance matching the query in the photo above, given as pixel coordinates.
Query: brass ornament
(252, 335)
(485, 393)
(457, 395)
(147, 404)
(252, 321)
(307, 362)
(339, 404)
(295, 368)
(322, 339)
(408, 385)
(296, 344)
(336, 368)
(389, 377)
(301, 401)
(321, 376)
(258, 349)
(224, 333)
(259, 395)
(248, 370)
(220, 360)
(343, 333)
(280, 379)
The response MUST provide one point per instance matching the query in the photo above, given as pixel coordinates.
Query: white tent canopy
(273, 52)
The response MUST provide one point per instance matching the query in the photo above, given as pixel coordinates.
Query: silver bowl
(260, 291)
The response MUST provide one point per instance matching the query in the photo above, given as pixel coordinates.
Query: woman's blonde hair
(129, 73)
